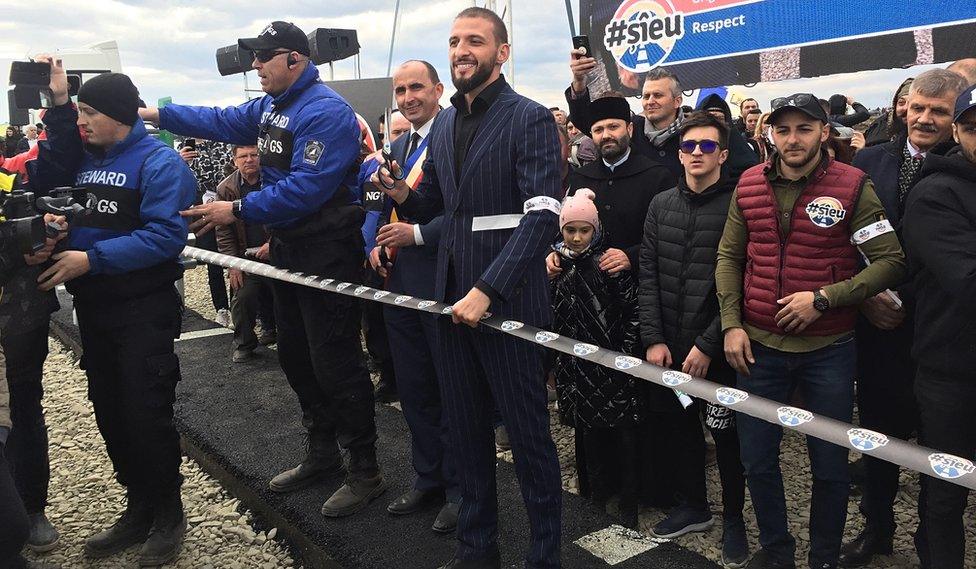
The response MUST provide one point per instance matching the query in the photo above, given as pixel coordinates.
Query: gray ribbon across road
(933, 463)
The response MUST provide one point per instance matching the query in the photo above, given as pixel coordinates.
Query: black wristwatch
(236, 209)
(820, 301)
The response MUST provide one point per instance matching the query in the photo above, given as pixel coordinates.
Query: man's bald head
(417, 90)
(966, 68)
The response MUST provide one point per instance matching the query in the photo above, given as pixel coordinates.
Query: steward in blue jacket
(309, 141)
(120, 264)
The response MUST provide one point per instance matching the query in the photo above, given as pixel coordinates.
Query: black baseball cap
(278, 35)
(803, 102)
(965, 101)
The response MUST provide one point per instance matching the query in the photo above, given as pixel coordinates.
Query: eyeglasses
(707, 146)
(797, 100)
(266, 55)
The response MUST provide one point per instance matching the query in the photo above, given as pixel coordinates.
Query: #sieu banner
(735, 42)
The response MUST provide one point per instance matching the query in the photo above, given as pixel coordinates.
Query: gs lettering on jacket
(275, 141)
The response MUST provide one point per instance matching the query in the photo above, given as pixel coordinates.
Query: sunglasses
(707, 146)
(266, 55)
(797, 100)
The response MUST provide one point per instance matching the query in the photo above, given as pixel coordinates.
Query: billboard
(708, 43)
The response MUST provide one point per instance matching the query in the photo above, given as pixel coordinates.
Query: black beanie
(610, 108)
(113, 95)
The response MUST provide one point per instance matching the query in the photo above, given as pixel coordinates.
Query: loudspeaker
(18, 116)
(232, 59)
(328, 44)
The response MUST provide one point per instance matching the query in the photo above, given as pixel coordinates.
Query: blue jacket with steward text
(309, 140)
(132, 231)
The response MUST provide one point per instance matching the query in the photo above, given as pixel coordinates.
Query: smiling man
(788, 283)
(885, 331)
(308, 139)
(493, 155)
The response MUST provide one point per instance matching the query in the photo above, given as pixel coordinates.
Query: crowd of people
(786, 254)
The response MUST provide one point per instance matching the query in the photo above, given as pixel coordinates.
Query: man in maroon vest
(789, 283)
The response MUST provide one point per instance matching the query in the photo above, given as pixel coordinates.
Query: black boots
(166, 534)
(132, 528)
(364, 484)
(323, 461)
(865, 546)
(157, 524)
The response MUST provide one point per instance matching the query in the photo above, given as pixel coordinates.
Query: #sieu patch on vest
(826, 211)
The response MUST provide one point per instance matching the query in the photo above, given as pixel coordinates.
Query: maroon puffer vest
(817, 251)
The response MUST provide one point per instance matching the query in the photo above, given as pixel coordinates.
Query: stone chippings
(796, 477)
(85, 498)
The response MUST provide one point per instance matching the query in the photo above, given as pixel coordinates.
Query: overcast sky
(168, 48)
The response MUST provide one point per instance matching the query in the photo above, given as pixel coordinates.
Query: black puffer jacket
(678, 302)
(596, 308)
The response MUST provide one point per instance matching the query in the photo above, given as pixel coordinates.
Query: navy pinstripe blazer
(514, 156)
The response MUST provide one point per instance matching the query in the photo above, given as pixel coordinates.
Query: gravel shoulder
(85, 498)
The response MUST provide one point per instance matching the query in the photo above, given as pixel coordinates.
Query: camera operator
(25, 313)
(309, 141)
(121, 263)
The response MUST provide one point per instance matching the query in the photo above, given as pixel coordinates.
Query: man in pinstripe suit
(493, 155)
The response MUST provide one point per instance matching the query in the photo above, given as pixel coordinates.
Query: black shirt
(467, 121)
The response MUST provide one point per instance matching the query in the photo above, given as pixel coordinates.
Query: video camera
(22, 227)
(32, 85)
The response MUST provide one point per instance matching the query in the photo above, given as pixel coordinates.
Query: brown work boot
(353, 496)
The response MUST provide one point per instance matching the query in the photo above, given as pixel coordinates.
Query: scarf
(659, 137)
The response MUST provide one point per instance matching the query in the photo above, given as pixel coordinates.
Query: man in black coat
(655, 132)
(681, 328)
(940, 232)
(624, 183)
(886, 370)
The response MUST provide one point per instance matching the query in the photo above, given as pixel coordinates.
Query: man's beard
(614, 153)
(481, 74)
(805, 160)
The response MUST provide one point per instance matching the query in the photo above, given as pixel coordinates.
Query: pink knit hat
(580, 207)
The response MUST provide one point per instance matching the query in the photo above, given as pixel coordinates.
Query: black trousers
(266, 307)
(132, 375)
(215, 273)
(886, 404)
(687, 445)
(377, 338)
(945, 405)
(27, 445)
(14, 527)
(320, 351)
(611, 463)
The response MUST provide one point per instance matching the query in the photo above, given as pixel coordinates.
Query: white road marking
(617, 544)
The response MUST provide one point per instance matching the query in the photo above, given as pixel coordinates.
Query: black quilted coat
(678, 303)
(599, 309)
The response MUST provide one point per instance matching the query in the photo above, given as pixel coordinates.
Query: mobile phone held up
(582, 42)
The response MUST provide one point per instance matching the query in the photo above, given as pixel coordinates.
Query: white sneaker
(223, 318)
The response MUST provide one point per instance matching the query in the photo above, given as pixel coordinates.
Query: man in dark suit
(412, 252)
(885, 332)
(493, 154)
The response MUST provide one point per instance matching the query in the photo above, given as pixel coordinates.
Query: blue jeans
(825, 380)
